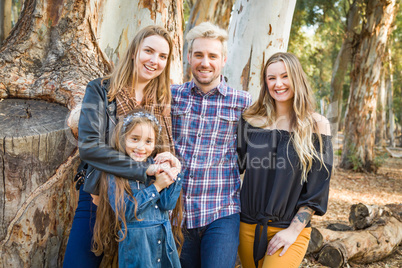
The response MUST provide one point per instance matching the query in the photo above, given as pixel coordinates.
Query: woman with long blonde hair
(285, 149)
(141, 79)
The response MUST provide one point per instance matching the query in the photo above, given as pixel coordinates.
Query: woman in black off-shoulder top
(285, 149)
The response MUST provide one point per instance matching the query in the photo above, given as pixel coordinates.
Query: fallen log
(362, 216)
(322, 236)
(364, 246)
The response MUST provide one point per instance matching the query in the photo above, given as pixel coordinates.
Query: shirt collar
(221, 88)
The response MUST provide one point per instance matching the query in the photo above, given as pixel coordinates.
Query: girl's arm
(288, 236)
(170, 195)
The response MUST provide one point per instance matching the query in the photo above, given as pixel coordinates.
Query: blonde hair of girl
(109, 224)
(125, 74)
(302, 123)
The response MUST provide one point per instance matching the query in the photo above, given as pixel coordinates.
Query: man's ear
(224, 61)
(188, 58)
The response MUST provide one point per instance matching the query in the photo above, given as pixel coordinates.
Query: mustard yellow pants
(292, 258)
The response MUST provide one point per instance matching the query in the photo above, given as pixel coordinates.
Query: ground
(348, 188)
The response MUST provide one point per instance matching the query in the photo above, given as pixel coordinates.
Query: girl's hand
(163, 180)
(167, 157)
(284, 238)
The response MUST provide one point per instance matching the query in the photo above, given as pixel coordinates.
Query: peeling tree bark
(115, 34)
(381, 111)
(257, 30)
(215, 11)
(365, 78)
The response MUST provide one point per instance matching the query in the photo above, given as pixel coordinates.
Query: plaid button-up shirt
(205, 136)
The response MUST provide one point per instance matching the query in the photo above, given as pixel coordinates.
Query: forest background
(333, 40)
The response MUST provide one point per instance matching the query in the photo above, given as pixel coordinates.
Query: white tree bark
(215, 11)
(257, 30)
(122, 19)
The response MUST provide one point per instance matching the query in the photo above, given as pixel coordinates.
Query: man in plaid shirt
(205, 113)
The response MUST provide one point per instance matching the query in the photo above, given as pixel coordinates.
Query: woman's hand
(284, 238)
(167, 157)
(288, 236)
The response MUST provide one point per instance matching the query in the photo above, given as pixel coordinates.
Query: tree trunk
(214, 11)
(5, 19)
(340, 67)
(365, 78)
(36, 194)
(381, 111)
(122, 19)
(391, 102)
(257, 30)
(365, 246)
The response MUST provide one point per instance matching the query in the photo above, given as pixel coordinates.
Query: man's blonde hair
(207, 30)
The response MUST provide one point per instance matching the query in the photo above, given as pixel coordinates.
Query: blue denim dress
(149, 242)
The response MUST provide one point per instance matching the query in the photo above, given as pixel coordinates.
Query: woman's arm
(288, 236)
(91, 138)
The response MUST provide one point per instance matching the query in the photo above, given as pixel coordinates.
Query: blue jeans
(78, 252)
(214, 245)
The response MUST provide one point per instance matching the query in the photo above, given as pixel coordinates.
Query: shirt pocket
(227, 118)
(180, 121)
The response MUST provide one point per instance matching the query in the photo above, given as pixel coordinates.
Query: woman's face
(152, 58)
(278, 82)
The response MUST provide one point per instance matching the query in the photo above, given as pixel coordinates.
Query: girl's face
(140, 142)
(152, 58)
(278, 82)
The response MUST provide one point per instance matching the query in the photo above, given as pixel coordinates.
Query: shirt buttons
(178, 178)
(153, 195)
(159, 260)
(159, 242)
(188, 197)
(156, 206)
(191, 176)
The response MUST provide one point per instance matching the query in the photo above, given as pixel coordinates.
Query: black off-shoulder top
(272, 191)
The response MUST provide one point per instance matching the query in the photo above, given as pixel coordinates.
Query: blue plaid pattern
(204, 130)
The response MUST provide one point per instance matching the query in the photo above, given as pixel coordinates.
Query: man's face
(206, 62)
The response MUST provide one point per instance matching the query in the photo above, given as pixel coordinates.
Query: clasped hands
(165, 170)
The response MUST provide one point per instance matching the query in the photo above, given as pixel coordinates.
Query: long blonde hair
(125, 74)
(108, 223)
(302, 124)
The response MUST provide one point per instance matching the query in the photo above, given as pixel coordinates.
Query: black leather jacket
(95, 128)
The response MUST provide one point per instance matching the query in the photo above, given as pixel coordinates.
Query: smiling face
(278, 82)
(152, 58)
(206, 62)
(140, 142)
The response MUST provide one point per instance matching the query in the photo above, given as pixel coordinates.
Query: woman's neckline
(283, 130)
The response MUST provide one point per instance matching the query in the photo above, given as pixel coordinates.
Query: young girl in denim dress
(136, 215)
